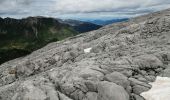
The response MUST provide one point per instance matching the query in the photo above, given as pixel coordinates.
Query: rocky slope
(123, 58)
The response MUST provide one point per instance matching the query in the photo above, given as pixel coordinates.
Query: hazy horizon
(80, 9)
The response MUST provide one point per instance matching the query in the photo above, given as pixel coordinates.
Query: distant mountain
(115, 62)
(81, 26)
(106, 22)
(19, 37)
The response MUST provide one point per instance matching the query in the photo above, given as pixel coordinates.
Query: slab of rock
(31, 92)
(118, 78)
(137, 97)
(138, 89)
(111, 91)
(138, 86)
(148, 62)
(166, 72)
(91, 96)
(63, 97)
(150, 78)
(91, 85)
(90, 73)
(134, 82)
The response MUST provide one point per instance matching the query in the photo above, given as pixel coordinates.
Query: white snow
(160, 90)
(87, 50)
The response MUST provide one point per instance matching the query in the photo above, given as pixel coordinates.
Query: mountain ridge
(123, 58)
(19, 37)
(81, 26)
(107, 22)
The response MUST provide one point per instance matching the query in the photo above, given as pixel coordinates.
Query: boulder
(91, 85)
(127, 73)
(30, 92)
(138, 89)
(166, 72)
(77, 95)
(142, 79)
(91, 96)
(25, 69)
(67, 56)
(134, 82)
(111, 91)
(63, 97)
(137, 97)
(8, 79)
(89, 73)
(150, 78)
(148, 62)
(118, 78)
(138, 86)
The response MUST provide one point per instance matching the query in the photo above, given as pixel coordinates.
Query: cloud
(79, 6)
(80, 9)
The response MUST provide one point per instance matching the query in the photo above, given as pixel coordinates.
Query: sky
(80, 9)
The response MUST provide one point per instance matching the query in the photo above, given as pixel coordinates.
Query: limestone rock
(91, 96)
(123, 58)
(148, 62)
(111, 91)
(137, 97)
(118, 78)
(166, 72)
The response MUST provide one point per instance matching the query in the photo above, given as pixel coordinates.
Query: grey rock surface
(111, 91)
(137, 97)
(166, 72)
(124, 58)
(118, 78)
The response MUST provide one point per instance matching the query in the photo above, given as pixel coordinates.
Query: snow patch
(87, 50)
(160, 90)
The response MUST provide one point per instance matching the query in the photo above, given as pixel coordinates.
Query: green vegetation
(21, 37)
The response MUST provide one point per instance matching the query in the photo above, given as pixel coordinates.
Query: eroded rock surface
(123, 58)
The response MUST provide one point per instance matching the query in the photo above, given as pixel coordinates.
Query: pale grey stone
(111, 91)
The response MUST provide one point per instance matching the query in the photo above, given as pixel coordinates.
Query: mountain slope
(19, 37)
(115, 62)
(81, 26)
(107, 22)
